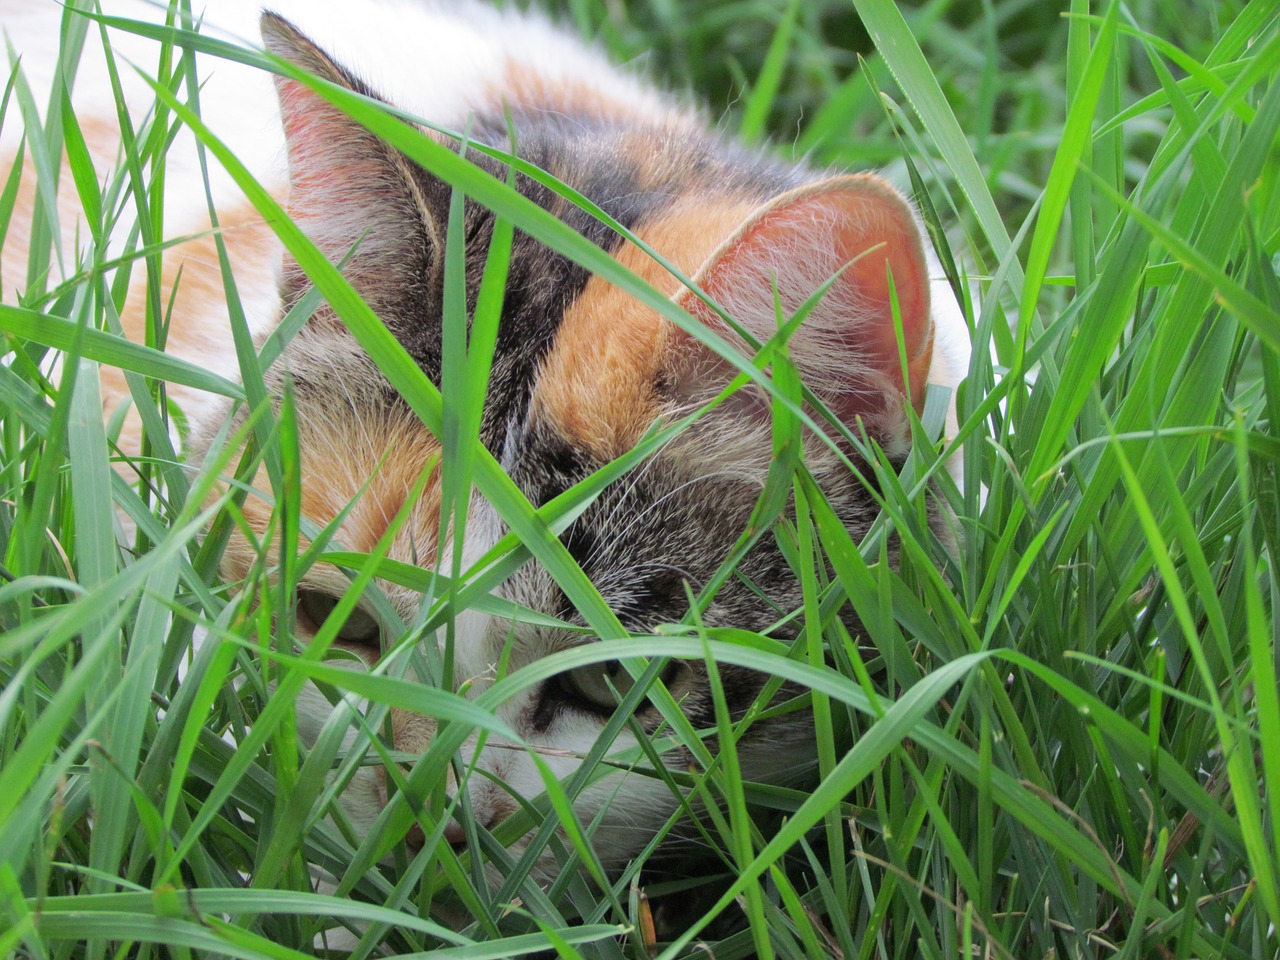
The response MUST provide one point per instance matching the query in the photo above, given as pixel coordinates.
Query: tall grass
(1064, 737)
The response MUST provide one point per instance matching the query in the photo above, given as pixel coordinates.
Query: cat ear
(347, 187)
(846, 349)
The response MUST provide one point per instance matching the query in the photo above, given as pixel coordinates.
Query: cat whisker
(632, 480)
(638, 518)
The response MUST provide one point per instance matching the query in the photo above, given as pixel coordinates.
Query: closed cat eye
(360, 627)
(599, 685)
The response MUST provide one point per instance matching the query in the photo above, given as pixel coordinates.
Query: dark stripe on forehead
(541, 284)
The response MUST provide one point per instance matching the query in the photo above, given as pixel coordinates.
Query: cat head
(581, 371)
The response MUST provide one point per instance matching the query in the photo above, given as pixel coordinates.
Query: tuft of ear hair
(859, 229)
(346, 186)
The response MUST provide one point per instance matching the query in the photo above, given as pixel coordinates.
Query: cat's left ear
(862, 231)
(347, 187)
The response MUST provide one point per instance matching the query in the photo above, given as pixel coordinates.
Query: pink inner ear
(346, 188)
(881, 237)
(332, 162)
(847, 348)
(307, 119)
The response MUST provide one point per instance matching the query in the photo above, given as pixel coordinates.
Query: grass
(1062, 739)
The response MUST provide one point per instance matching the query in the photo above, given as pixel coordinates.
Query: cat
(581, 370)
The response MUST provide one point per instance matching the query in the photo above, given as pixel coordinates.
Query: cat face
(580, 372)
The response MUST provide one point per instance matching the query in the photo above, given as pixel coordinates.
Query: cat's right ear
(348, 189)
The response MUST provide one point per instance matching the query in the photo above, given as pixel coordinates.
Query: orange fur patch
(13, 266)
(191, 285)
(596, 385)
(341, 457)
(192, 276)
(192, 293)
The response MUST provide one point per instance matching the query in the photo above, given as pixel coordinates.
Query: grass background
(1065, 739)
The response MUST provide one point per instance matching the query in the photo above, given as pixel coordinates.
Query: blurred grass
(1063, 740)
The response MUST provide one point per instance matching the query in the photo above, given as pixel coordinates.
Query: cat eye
(599, 685)
(360, 627)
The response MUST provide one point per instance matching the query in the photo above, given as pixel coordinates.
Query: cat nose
(415, 839)
(454, 835)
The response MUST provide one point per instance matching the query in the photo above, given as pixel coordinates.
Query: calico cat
(581, 370)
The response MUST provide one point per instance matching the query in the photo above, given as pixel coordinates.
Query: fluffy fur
(581, 370)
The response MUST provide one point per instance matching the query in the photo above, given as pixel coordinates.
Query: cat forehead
(598, 386)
